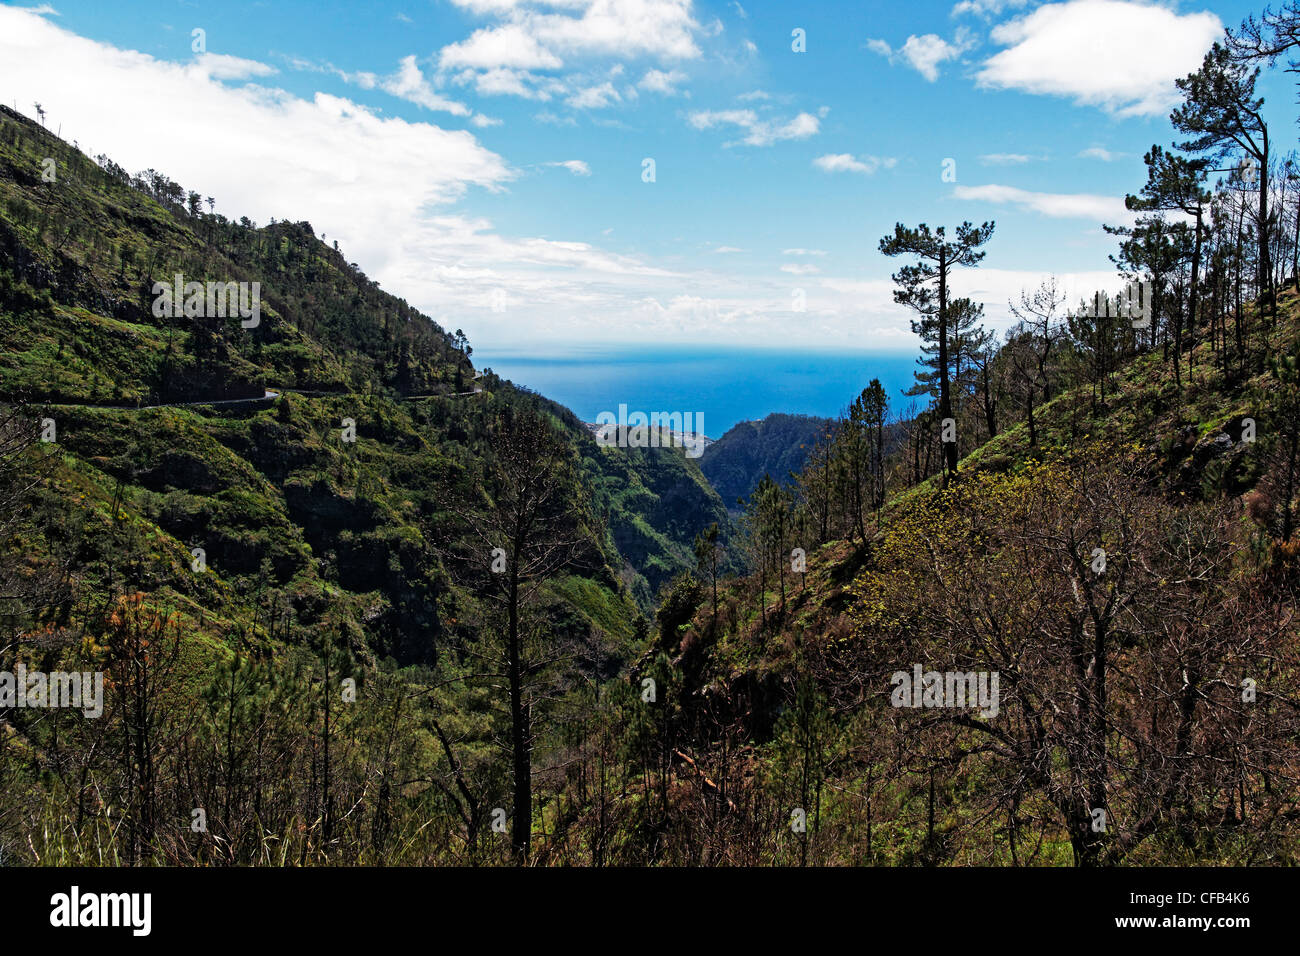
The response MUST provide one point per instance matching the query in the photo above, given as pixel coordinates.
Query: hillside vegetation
(397, 611)
(245, 512)
(777, 445)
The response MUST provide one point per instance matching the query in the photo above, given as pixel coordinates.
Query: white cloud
(986, 8)
(384, 188)
(754, 95)
(996, 287)
(1102, 153)
(553, 119)
(725, 250)
(221, 66)
(310, 158)
(1108, 209)
(846, 163)
(408, 83)
(1102, 53)
(594, 97)
(482, 122)
(575, 166)
(373, 183)
(800, 268)
(509, 46)
(484, 7)
(538, 34)
(924, 53)
(506, 82)
(519, 54)
(758, 132)
(1005, 159)
(992, 287)
(381, 187)
(659, 81)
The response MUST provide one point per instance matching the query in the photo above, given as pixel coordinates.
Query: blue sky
(484, 158)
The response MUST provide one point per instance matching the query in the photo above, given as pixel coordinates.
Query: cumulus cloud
(509, 46)
(378, 185)
(532, 47)
(386, 188)
(290, 155)
(926, 52)
(1101, 53)
(505, 46)
(539, 34)
(389, 190)
(595, 97)
(665, 82)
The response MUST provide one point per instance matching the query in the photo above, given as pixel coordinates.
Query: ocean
(724, 385)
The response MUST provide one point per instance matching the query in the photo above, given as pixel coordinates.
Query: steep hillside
(778, 446)
(1139, 552)
(268, 496)
(78, 260)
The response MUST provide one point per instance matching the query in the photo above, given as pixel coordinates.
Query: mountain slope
(78, 260)
(1140, 552)
(250, 511)
(778, 445)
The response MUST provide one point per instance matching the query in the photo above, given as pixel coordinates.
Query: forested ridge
(403, 612)
(225, 564)
(777, 446)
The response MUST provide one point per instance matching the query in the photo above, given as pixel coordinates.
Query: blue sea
(725, 385)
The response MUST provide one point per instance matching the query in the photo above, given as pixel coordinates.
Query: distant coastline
(726, 385)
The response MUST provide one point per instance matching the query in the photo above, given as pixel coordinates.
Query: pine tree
(1221, 113)
(924, 287)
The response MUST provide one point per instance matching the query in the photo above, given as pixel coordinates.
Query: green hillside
(1147, 537)
(353, 601)
(778, 445)
(299, 497)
